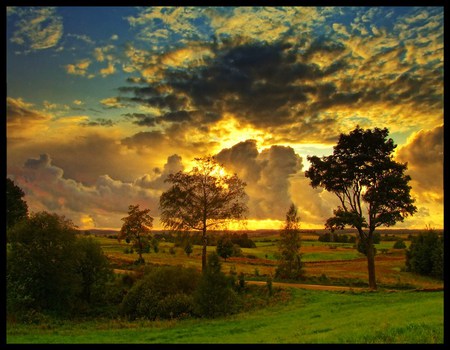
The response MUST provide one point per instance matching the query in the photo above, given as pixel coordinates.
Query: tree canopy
(136, 227)
(372, 188)
(204, 198)
(16, 207)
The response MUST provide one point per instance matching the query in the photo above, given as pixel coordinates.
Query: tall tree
(136, 227)
(202, 199)
(372, 188)
(16, 207)
(41, 265)
(289, 262)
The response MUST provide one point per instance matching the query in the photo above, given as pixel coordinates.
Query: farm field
(324, 262)
(308, 317)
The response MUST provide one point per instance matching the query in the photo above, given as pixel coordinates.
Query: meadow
(403, 310)
(308, 317)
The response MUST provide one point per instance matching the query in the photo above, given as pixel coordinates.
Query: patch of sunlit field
(331, 263)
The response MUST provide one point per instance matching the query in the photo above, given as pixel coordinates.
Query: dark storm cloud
(144, 138)
(99, 122)
(257, 82)
(141, 119)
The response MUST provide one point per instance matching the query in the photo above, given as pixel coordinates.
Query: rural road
(310, 286)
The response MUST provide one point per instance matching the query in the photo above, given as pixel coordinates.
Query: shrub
(425, 255)
(50, 269)
(225, 246)
(41, 264)
(178, 305)
(154, 295)
(214, 296)
(399, 244)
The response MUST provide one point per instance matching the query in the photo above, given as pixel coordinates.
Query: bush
(50, 269)
(425, 255)
(155, 295)
(214, 296)
(41, 264)
(399, 244)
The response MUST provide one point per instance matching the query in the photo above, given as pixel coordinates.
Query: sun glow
(230, 131)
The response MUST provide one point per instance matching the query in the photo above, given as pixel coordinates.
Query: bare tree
(204, 198)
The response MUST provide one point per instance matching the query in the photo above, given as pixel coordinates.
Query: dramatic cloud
(47, 188)
(267, 174)
(424, 154)
(157, 179)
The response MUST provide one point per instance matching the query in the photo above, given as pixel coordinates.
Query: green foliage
(362, 173)
(425, 255)
(242, 240)
(289, 261)
(362, 246)
(42, 264)
(50, 269)
(188, 249)
(16, 207)
(136, 228)
(163, 292)
(93, 267)
(202, 199)
(225, 247)
(399, 244)
(215, 296)
(334, 237)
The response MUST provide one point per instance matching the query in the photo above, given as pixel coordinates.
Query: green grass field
(308, 317)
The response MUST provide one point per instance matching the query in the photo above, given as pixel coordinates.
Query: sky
(104, 102)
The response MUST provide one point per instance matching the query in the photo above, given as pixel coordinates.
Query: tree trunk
(371, 262)
(204, 240)
(140, 249)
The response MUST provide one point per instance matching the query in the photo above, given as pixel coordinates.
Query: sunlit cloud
(79, 68)
(37, 28)
(111, 102)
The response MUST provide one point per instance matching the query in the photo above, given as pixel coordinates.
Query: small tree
(188, 247)
(215, 295)
(201, 199)
(42, 264)
(425, 255)
(399, 244)
(289, 262)
(93, 267)
(225, 247)
(16, 207)
(136, 228)
(372, 188)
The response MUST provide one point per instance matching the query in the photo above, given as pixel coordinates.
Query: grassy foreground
(309, 317)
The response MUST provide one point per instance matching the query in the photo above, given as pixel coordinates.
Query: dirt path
(310, 286)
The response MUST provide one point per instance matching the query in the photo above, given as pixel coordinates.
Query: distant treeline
(181, 238)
